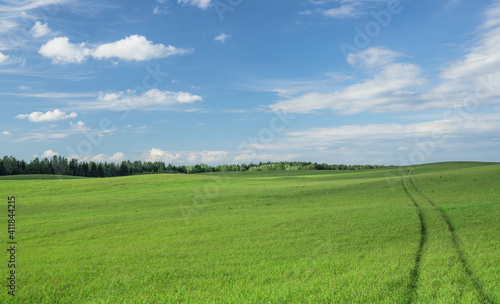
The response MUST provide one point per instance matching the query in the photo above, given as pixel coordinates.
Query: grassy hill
(429, 236)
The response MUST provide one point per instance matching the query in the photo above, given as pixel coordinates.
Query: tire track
(415, 273)
(456, 244)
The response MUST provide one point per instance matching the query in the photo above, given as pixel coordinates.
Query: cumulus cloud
(203, 4)
(6, 133)
(222, 37)
(214, 157)
(40, 30)
(115, 158)
(134, 47)
(130, 100)
(48, 154)
(159, 155)
(187, 157)
(3, 58)
(79, 127)
(61, 51)
(47, 117)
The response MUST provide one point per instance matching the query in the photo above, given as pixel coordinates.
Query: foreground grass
(257, 237)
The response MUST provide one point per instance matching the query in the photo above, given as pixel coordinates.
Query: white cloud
(47, 117)
(134, 47)
(430, 140)
(493, 15)
(130, 100)
(187, 157)
(3, 58)
(373, 57)
(6, 133)
(222, 37)
(49, 154)
(345, 11)
(61, 51)
(214, 157)
(17, 18)
(289, 88)
(483, 59)
(159, 155)
(26, 5)
(79, 127)
(52, 95)
(117, 157)
(41, 137)
(23, 87)
(203, 4)
(101, 158)
(6, 26)
(390, 88)
(40, 30)
(347, 8)
(397, 86)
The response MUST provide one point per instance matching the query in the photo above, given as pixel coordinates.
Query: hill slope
(277, 237)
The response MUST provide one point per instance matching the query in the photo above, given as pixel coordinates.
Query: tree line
(58, 165)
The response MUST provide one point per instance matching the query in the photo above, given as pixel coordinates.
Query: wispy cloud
(20, 20)
(41, 137)
(203, 4)
(386, 142)
(390, 87)
(288, 88)
(397, 86)
(222, 37)
(342, 9)
(131, 100)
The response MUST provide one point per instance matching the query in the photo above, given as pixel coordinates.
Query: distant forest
(61, 166)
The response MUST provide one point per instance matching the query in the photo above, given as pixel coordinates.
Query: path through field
(440, 264)
(372, 236)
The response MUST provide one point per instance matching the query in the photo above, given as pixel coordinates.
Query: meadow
(425, 234)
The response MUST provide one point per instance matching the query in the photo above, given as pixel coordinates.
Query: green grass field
(428, 234)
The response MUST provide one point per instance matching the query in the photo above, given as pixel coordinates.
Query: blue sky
(239, 81)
